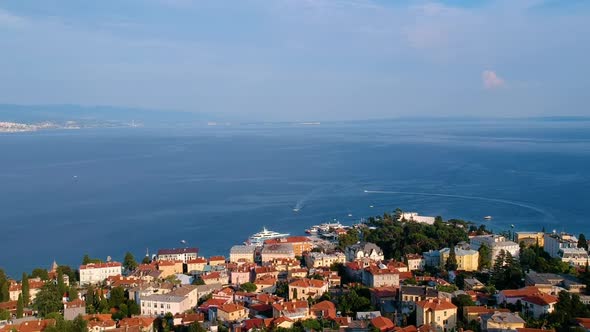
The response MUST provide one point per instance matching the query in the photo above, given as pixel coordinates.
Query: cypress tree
(25, 288)
(20, 308)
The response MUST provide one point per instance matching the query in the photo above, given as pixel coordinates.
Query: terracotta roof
(198, 260)
(323, 306)
(31, 326)
(100, 265)
(522, 292)
(77, 303)
(542, 299)
(290, 239)
(266, 280)
(291, 305)
(255, 323)
(230, 307)
(305, 282)
(382, 323)
(409, 328)
(212, 275)
(217, 258)
(281, 320)
(584, 322)
(436, 304)
(140, 321)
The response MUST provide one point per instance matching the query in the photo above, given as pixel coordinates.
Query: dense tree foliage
(400, 238)
(25, 289)
(485, 257)
(87, 260)
(451, 263)
(351, 237)
(248, 287)
(4, 293)
(48, 299)
(40, 273)
(20, 307)
(506, 272)
(79, 324)
(566, 310)
(129, 262)
(537, 259)
(582, 242)
(357, 299)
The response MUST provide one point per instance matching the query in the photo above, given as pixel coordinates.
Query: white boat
(488, 217)
(265, 234)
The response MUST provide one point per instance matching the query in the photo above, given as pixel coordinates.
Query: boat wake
(301, 203)
(480, 198)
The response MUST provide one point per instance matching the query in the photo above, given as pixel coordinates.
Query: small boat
(488, 217)
(350, 214)
(296, 210)
(370, 206)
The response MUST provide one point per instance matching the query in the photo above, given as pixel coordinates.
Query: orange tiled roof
(305, 282)
(522, 292)
(436, 304)
(230, 307)
(382, 323)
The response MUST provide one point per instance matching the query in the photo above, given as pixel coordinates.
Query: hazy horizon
(290, 60)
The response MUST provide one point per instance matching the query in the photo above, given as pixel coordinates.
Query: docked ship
(324, 228)
(265, 234)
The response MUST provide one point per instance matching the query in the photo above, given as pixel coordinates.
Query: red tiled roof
(522, 292)
(230, 307)
(198, 260)
(542, 299)
(382, 323)
(323, 306)
(436, 304)
(217, 258)
(584, 322)
(77, 303)
(290, 239)
(291, 305)
(305, 282)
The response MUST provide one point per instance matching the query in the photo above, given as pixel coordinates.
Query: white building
(538, 305)
(413, 216)
(319, 259)
(496, 243)
(242, 253)
(98, 272)
(565, 247)
(180, 254)
(364, 250)
(415, 262)
(177, 301)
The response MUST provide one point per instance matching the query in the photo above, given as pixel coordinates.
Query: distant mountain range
(61, 113)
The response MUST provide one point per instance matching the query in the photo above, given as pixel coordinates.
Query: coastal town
(397, 272)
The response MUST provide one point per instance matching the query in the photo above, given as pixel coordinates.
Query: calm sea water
(104, 192)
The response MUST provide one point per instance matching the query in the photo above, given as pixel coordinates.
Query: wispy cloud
(491, 80)
(8, 19)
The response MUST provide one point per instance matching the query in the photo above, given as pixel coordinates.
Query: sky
(301, 59)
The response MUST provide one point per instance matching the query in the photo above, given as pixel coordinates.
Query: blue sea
(103, 192)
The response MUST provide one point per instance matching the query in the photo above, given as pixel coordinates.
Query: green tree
(90, 299)
(61, 286)
(48, 300)
(20, 307)
(25, 288)
(196, 327)
(451, 263)
(146, 260)
(129, 262)
(4, 293)
(248, 287)
(73, 293)
(485, 257)
(351, 237)
(4, 314)
(117, 297)
(582, 242)
(40, 273)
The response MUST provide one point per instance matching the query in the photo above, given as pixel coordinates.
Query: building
(473, 284)
(538, 305)
(319, 259)
(383, 324)
(302, 289)
(216, 260)
(467, 260)
(441, 314)
(380, 276)
(552, 283)
(74, 308)
(179, 300)
(196, 265)
(294, 310)
(512, 296)
(242, 253)
(94, 273)
(496, 243)
(276, 252)
(180, 254)
(531, 238)
(415, 262)
(554, 242)
(431, 258)
(364, 250)
(324, 309)
(413, 216)
(301, 244)
(169, 267)
(574, 256)
(501, 321)
(230, 312)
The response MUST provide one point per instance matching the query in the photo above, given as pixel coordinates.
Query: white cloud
(491, 80)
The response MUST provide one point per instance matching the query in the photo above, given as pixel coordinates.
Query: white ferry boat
(324, 228)
(265, 234)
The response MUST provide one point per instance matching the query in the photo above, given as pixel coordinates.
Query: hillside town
(397, 272)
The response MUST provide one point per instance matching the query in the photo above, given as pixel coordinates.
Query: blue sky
(300, 59)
